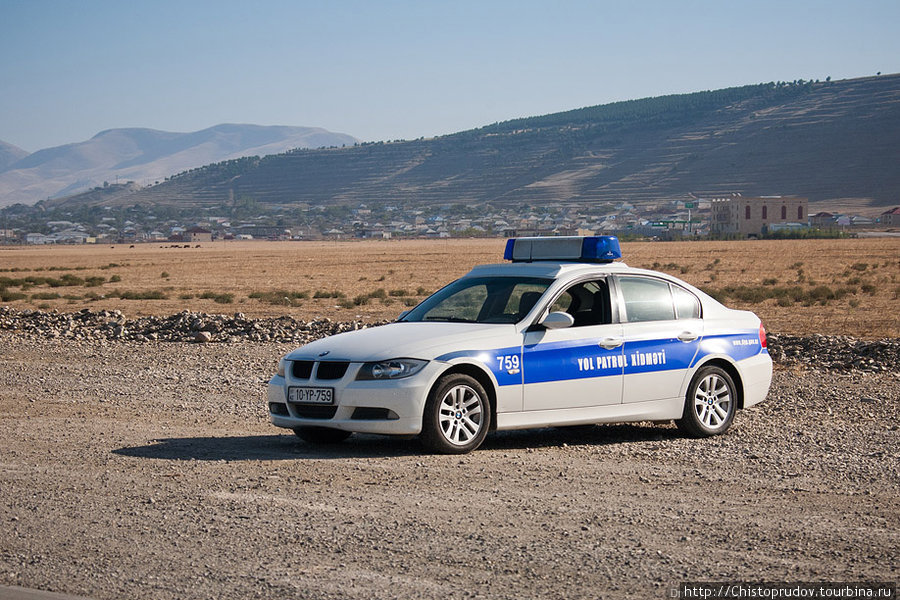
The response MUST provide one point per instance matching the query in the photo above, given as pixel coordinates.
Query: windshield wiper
(449, 318)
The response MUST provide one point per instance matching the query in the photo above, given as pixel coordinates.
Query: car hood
(404, 340)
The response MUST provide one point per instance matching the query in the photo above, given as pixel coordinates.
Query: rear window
(647, 299)
(650, 299)
(686, 304)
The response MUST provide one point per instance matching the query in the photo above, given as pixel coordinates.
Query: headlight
(396, 368)
(280, 371)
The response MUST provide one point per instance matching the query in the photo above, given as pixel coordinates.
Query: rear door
(662, 330)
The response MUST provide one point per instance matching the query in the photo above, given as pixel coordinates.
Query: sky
(385, 70)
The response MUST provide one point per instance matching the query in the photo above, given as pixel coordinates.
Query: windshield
(482, 300)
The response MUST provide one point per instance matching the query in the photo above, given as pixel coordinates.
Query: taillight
(762, 336)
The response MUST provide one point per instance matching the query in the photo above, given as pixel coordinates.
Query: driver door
(579, 366)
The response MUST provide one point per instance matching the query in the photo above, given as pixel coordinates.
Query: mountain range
(828, 141)
(9, 155)
(144, 156)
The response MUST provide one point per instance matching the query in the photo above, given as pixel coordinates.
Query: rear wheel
(710, 403)
(457, 415)
(322, 435)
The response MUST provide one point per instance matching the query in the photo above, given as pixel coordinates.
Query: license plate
(311, 395)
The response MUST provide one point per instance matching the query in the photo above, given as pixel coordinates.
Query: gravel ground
(149, 470)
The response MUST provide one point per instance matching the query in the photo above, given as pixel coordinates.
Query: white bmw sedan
(561, 335)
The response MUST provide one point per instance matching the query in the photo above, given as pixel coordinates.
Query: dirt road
(149, 470)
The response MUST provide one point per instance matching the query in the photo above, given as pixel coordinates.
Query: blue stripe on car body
(581, 359)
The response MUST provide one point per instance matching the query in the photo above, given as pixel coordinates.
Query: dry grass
(806, 264)
(409, 269)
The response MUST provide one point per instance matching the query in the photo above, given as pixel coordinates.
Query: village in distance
(692, 217)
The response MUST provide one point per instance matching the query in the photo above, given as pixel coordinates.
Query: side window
(523, 298)
(647, 299)
(588, 303)
(562, 303)
(686, 304)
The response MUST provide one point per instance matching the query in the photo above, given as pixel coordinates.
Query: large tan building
(748, 216)
(197, 234)
(891, 217)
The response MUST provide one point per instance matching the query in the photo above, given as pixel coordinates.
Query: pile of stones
(835, 352)
(830, 352)
(182, 327)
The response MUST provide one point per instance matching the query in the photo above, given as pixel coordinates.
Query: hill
(9, 155)
(823, 140)
(146, 156)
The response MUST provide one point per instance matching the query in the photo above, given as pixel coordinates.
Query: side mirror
(557, 320)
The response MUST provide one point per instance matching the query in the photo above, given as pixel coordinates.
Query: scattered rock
(182, 327)
(203, 337)
(149, 469)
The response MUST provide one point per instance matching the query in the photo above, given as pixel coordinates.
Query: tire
(457, 415)
(322, 435)
(710, 403)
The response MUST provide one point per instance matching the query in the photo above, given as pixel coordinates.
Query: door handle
(611, 342)
(687, 336)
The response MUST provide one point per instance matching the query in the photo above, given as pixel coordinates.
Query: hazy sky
(381, 70)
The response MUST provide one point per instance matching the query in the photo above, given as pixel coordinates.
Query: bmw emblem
(321, 354)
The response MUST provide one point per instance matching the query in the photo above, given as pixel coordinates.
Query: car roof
(549, 269)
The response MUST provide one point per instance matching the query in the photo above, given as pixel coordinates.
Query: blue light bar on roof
(604, 248)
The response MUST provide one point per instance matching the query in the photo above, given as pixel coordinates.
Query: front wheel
(710, 403)
(457, 415)
(321, 435)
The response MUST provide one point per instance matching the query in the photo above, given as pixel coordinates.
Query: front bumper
(357, 404)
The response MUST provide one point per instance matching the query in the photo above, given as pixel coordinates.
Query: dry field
(799, 287)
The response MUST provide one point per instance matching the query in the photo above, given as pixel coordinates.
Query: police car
(560, 335)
